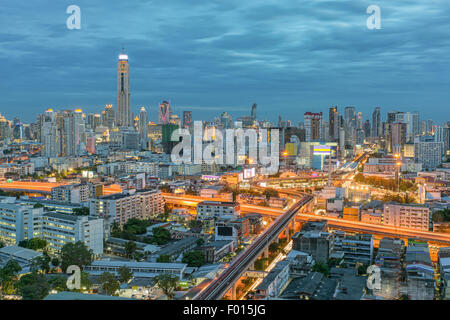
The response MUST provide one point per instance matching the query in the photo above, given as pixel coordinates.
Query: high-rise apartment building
(428, 152)
(140, 204)
(313, 126)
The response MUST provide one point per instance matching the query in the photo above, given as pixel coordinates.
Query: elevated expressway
(227, 279)
(336, 223)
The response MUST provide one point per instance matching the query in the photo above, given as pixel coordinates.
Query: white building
(74, 193)
(140, 204)
(218, 209)
(59, 229)
(17, 222)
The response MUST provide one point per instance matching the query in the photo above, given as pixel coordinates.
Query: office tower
(350, 117)
(187, 119)
(313, 126)
(398, 136)
(446, 137)
(109, 116)
(392, 116)
(226, 120)
(367, 128)
(428, 152)
(333, 121)
(164, 112)
(167, 131)
(412, 123)
(423, 127)
(254, 111)
(143, 123)
(359, 121)
(93, 120)
(430, 124)
(376, 122)
(123, 92)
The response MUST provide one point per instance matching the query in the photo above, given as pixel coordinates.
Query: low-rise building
(411, 216)
(419, 271)
(139, 269)
(274, 282)
(218, 209)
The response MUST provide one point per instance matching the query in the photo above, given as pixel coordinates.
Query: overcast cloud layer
(288, 56)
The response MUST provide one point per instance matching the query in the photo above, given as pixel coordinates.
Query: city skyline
(315, 55)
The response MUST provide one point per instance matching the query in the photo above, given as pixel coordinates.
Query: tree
(58, 283)
(1, 245)
(200, 242)
(322, 268)
(125, 274)
(269, 193)
(83, 211)
(167, 283)
(130, 248)
(194, 258)
(55, 262)
(8, 275)
(86, 284)
(161, 236)
(33, 244)
(75, 254)
(164, 258)
(41, 263)
(33, 286)
(38, 205)
(109, 284)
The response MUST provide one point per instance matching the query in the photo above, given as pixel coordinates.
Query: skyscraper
(143, 123)
(123, 92)
(164, 112)
(376, 122)
(313, 126)
(109, 116)
(350, 117)
(254, 111)
(187, 119)
(333, 124)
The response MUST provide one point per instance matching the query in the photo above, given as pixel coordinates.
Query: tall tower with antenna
(123, 91)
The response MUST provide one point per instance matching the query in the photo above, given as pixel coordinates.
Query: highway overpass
(239, 266)
(336, 223)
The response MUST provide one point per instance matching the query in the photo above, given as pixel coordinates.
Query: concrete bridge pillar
(286, 232)
(293, 225)
(233, 292)
(266, 252)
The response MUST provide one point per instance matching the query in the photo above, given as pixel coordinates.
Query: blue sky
(288, 56)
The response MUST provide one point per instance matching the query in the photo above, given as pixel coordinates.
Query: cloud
(288, 56)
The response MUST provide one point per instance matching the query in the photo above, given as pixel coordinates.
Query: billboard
(322, 150)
